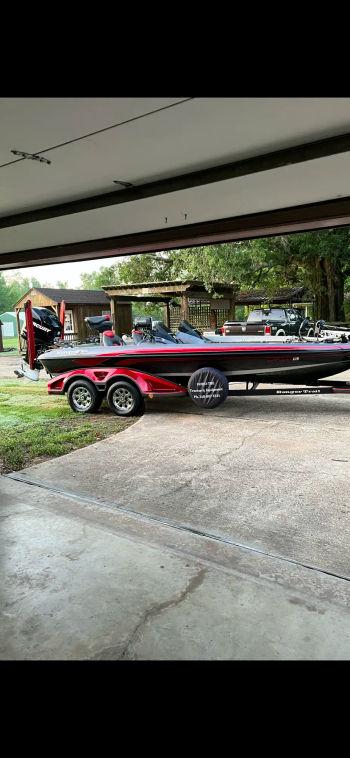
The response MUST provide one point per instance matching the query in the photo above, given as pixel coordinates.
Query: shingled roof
(73, 297)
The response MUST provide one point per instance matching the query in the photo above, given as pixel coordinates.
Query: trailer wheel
(208, 387)
(83, 397)
(280, 333)
(124, 399)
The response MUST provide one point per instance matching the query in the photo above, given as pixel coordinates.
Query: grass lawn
(10, 342)
(34, 426)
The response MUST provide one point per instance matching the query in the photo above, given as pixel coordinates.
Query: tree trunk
(335, 285)
(318, 282)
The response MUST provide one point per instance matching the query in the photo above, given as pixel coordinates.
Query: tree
(320, 260)
(12, 288)
(137, 268)
(243, 263)
(97, 279)
(5, 297)
(317, 260)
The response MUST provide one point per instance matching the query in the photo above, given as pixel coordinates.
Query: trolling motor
(322, 333)
(319, 326)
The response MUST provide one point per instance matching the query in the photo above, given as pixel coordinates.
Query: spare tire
(208, 387)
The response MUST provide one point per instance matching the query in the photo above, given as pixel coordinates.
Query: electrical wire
(100, 131)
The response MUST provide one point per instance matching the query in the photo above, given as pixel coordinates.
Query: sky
(66, 272)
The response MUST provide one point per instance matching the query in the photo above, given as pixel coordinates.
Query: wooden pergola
(122, 296)
(289, 296)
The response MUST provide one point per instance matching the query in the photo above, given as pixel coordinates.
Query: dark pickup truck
(274, 321)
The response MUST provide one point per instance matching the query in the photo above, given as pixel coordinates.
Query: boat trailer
(126, 389)
(323, 387)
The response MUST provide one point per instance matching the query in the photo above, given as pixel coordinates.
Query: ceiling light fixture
(31, 156)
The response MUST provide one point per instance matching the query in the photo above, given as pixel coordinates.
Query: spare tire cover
(208, 387)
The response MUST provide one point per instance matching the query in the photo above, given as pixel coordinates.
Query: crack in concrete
(245, 439)
(159, 608)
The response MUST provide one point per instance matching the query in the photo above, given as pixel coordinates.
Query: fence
(199, 316)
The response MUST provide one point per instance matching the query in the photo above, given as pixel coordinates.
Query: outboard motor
(44, 329)
(47, 328)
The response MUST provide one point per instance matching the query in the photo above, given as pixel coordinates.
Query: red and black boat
(158, 362)
(293, 363)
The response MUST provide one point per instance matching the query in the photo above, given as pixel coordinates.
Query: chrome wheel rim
(82, 398)
(122, 399)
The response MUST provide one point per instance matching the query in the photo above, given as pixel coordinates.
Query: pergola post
(185, 310)
(166, 312)
(18, 329)
(232, 309)
(113, 312)
(213, 319)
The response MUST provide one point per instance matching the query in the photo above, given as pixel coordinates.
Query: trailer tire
(125, 399)
(83, 397)
(208, 387)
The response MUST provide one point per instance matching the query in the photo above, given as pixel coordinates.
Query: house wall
(37, 299)
(79, 314)
(79, 311)
(121, 316)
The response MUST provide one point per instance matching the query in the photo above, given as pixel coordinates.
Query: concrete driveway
(8, 363)
(192, 535)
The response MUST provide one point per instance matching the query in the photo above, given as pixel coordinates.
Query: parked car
(274, 321)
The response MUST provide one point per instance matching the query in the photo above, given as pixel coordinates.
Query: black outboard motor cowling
(47, 327)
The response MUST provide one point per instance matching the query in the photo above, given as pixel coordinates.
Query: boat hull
(301, 363)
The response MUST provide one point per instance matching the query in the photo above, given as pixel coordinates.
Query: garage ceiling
(200, 169)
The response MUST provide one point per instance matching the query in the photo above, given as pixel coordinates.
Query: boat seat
(97, 320)
(109, 338)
